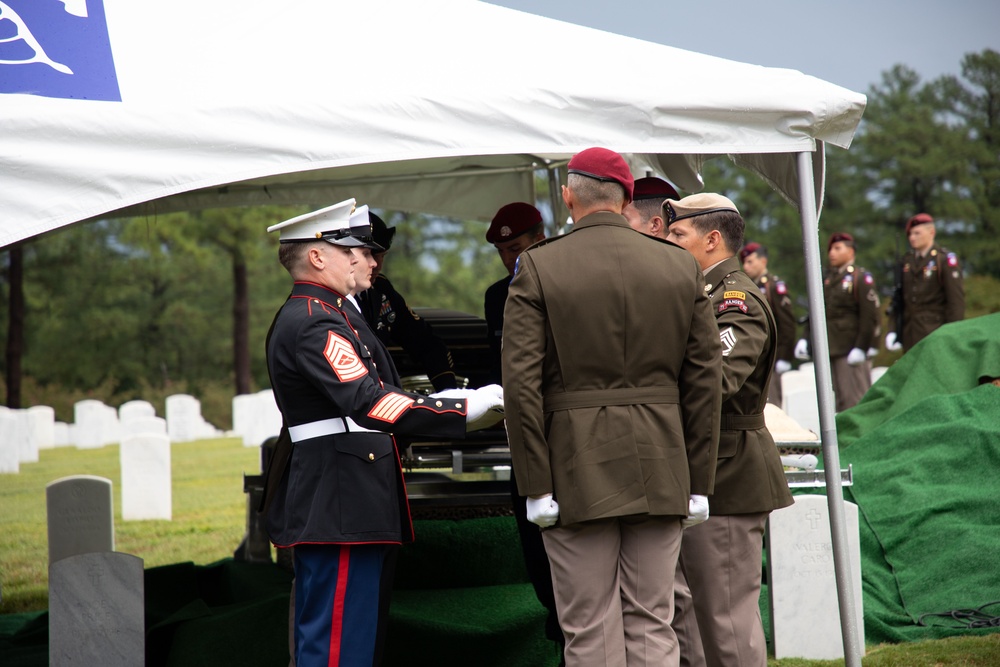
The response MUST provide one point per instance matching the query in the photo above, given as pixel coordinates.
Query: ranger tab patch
(343, 359)
(733, 299)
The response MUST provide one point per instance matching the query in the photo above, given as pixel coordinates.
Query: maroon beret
(604, 165)
(652, 187)
(512, 220)
(748, 250)
(918, 219)
(840, 237)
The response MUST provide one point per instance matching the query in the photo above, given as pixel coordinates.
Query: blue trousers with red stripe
(341, 596)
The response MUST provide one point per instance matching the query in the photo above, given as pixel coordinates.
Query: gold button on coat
(371, 457)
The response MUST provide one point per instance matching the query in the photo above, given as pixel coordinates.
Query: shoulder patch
(868, 279)
(728, 338)
(733, 299)
(780, 287)
(390, 407)
(952, 259)
(343, 359)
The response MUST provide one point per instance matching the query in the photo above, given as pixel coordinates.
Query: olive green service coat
(933, 294)
(776, 292)
(852, 309)
(612, 372)
(749, 476)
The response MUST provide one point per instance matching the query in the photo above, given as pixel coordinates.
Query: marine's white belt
(326, 427)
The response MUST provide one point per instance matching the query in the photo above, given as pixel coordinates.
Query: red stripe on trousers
(337, 620)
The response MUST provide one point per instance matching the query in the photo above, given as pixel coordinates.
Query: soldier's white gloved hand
(484, 407)
(543, 511)
(856, 356)
(802, 350)
(892, 343)
(697, 511)
(453, 393)
(782, 366)
(872, 352)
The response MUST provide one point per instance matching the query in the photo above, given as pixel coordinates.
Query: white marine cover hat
(331, 224)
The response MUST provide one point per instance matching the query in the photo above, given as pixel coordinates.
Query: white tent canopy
(115, 107)
(442, 106)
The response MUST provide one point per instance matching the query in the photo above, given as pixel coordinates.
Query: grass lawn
(209, 520)
(209, 512)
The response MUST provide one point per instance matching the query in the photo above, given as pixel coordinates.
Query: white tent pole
(824, 391)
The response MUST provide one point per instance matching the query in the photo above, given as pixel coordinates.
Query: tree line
(180, 303)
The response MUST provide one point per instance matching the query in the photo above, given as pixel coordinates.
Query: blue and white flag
(56, 48)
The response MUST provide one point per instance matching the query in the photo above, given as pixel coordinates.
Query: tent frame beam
(828, 426)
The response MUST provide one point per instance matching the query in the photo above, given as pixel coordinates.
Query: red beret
(604, 165)
(512, 220)
(652, 187)
(918, 219)
(841, 237)
(748, 250)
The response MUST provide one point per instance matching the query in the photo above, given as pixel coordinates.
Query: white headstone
(80, 513)
(97, 611)
(10, 448)
(60, 434)
(256, 417)
(798, 396)
(142, 425)
(184, 421)
(802, 585)
(135, 410)
(43, 420)
(24, 436)
(145, 469)
(96, 424)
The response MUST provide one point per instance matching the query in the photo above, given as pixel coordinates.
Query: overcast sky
(849, 43)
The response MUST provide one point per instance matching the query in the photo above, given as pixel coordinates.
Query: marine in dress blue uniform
(340, 500)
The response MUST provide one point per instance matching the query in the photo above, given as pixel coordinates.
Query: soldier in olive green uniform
(612, 415)
(851, 322)
(754, 258)
(932, 289)
(721, 558)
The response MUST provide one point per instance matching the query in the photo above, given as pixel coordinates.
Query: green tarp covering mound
(924, 445)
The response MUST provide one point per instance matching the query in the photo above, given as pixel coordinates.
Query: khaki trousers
(613, 582)
(721, 561)
(849, 382)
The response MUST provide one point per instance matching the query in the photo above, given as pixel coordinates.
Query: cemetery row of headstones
(24, 432)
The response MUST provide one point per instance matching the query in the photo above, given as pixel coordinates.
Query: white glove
(484, 407)
(872, 352)
(782, 366)
(892, 343)
(453, 393)
(543, 511)
(802, 350)
(856, 356)
(697, 511)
